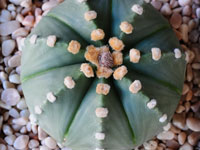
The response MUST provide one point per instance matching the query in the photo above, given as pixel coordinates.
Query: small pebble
(182, 138)
(28, 21)
(14, 78)
(10, 96)
(5, 16)
(20, 121)
(7, 130)
(14, 61)
(21, 142)
(49, 5)
(150, 145)
(184, 2)
(10, 139)
(166, 10)
(187, 10)
(50, 142)
(2, 147)
(33, 144)
(156, 4)
(176, 20)
(193, 124)
(21, 32)
(8, 27)
(166, 135)
(14, 113)
(41, 134)
(21, 105)
(8, 47)
(198, 12)
(186, 146)
(184, 30)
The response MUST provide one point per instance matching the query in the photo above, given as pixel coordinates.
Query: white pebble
(14, 78)
(26, 3)
(8, 27)
(156, 54)
(51, 40)
(8, 47)
(7, 130)
(7, 85)
(14, 61)
(167, 127)
(33, 39)
(2, 147)
(23, 130)
(198, 12)
(21, 104)
(3, 76)
(184, 2)
(14, 113)
(177, 53)
(41, 134)
(137, 9)
(11, 7)
(10, 139)
(10, 147)
(163, 118)
(10, 96)
(33, 144)
(34, 128)
(49, 5)
(21, 32)
(50, 97)
(166, 10)
(166, 135)
(50, 142)
(5, 16)
(32, 119)
(152, 104)
(25, 113)
(38, 110)
(20, 121)
(21, 142)
(100, 136)
(44, 148)
(28, 21)
(28, 127)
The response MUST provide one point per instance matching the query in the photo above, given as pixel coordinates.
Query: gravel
(19, 131)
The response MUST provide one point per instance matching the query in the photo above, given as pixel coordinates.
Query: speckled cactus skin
(71, 119)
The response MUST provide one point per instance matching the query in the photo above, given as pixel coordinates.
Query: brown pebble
(193, 138)
(186, 146)
(189, 95)
(179, 121)
(172, 144)
(176, 20)
(193, 124)
(181, 138)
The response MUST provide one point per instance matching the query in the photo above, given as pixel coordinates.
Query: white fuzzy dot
(137, 9)
(152, 104)
(156, 53)
(38, 110)
(69, 82)
(100, 136)
(33, 39)
(163, 118)
(177, 53)
(101, 112)
(50, 97)
(51, 40)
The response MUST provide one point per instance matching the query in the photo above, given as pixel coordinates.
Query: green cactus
(128, 121)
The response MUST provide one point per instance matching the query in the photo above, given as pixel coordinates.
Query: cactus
(69, 87)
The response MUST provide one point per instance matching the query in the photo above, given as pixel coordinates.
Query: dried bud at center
(105, 59)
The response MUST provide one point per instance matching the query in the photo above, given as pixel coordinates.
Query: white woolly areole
(100, 136)
(135, 87)
(99, 149)
(163, 118)
(38, 110)
(101, 112)
(69, 82)
(81, 1)
(137, 9)
(90, 15)
(33, 39)
(177, 53)
(51, 40)
(156, 53)
(152, 104)
(50, 97)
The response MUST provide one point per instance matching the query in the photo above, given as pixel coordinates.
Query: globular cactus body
(84, 112)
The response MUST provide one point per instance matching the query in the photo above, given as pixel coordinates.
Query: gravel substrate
(17, 130)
